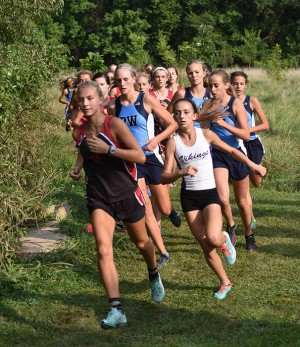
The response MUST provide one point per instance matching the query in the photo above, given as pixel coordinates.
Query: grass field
(57, 299)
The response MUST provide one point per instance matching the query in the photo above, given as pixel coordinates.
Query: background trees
(222, 33)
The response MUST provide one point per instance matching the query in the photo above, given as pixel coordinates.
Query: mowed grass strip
(48, 304)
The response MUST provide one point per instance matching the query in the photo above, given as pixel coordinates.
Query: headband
(160, 68)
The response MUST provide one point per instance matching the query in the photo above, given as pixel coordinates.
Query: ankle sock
(115, 303)
(250, 237)
(153, 273)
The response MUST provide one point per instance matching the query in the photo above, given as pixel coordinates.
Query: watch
(112, 150)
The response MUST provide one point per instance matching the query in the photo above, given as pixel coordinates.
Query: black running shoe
(175, 218)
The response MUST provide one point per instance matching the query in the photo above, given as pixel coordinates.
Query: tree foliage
(161, 31)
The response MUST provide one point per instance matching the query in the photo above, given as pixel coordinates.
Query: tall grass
(280, 101)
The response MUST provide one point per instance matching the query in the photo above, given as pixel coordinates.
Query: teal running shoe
(228, 250)
(253, 224)
(157, 289)
(223, 291)
(115, 318)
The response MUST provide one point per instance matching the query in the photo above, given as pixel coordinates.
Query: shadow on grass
(71, 319)
(283, 249)
(149, 325)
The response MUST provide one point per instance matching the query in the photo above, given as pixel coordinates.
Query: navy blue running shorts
(237, 170)
(255, 150)
(192, 200)
(150, 170)
(129, 210)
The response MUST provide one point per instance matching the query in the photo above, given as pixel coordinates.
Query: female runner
(254, 147)
(108, 152)
(230, 129)
(190, 147)
(196, 72)
(136, 109)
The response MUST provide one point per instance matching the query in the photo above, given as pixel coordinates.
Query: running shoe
(228, 250)
(232, 233)
(163, 260)
(157, 289)
(223, 291)
(175, 218)
(121, 227)
(253, 224)
(251, 244)
(115, 318)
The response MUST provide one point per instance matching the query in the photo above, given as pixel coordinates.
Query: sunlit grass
(57, 299)
(45, 303)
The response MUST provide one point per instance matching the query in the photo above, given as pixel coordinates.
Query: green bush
(25, 123)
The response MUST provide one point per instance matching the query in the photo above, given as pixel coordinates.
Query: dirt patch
(41, 240)
(46, 238)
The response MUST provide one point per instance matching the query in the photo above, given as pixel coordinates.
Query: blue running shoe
(228, 250)
(157, 290)
(115, 318)
(223, 291)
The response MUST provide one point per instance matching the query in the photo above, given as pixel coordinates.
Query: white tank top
(198, 155)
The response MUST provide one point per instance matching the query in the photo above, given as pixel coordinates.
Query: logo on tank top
(191, 156)
(130, 120)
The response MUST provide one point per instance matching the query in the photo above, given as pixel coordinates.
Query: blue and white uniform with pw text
(141, 125)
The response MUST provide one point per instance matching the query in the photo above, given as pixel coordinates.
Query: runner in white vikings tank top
(199, 197)
(198, 155)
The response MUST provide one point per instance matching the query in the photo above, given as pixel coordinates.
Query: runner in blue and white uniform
(230, 128)
(254, 147)
(196, 72)
(136, 110)
(65, 98)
